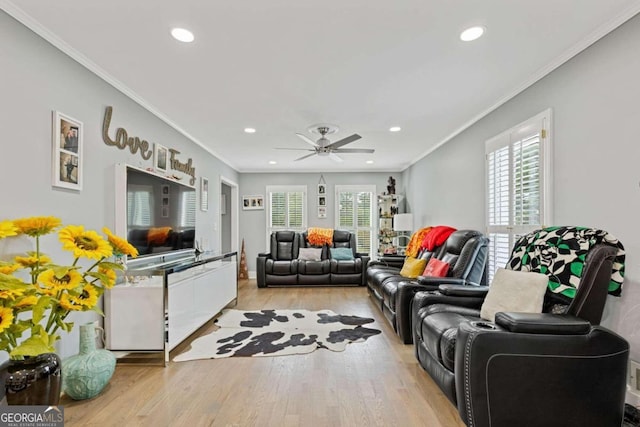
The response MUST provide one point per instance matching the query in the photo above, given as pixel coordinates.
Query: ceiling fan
(323, 147)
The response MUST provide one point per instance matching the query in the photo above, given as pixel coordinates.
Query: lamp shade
(403, 222)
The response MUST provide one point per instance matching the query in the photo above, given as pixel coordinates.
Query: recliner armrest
(542, 323)
(265, 254)
(463, 290)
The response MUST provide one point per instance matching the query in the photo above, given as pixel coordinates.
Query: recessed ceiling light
(182, 35)
(369, 162)
(249, 130)
(273, 162)
(471, 34)
(395, 129)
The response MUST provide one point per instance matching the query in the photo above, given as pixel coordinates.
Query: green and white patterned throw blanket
(560, 252)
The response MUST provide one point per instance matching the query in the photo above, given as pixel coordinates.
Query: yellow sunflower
(6, 318)
(7, 228)
(8, 268)
(120, 245)
(71, 280)
(32, 260)
(27, 301)
(88, 244)
(37, 225)
(11, 294)
(88, 297)
(69, 303)
(111, 277)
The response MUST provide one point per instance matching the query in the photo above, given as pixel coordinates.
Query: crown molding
(35, 26)
(583, 44)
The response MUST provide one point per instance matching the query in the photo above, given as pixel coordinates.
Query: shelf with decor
(388, 206)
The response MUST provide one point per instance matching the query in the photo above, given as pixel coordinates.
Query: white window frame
(541, 122)
(285, 189)
(374, 208)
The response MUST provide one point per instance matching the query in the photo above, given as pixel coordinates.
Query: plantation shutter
(516, 186)
(188, 211)
(286, 209)
(139, 205)
(354, 212)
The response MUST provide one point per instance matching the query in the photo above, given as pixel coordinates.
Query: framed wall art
(322, 212)
(204, 194)
(66, 152)
(252, 202)
(160, 157)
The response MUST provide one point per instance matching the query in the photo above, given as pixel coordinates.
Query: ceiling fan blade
(344, 141)
(304, 157)
(307, 140)
(355, 150)
(335, 158)
(296, 149)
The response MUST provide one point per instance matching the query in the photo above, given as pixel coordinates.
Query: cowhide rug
(278, 333)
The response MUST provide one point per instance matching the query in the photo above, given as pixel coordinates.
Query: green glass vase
(87, 373)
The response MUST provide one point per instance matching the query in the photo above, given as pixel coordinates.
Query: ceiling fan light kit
(325, 148)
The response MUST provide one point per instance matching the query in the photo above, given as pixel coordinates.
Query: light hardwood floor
(376, 383)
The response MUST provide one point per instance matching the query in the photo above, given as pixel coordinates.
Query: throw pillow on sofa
(310, 254)
(515, 291)
(436, 268)
(412, 267)
(343, 254)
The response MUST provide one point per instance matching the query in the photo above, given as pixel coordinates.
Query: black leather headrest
(285, 236)
(458, 239)
(341, 236)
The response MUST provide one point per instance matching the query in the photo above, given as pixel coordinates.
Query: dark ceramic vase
(35, 380)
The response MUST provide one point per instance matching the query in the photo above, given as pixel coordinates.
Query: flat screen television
(160, 213)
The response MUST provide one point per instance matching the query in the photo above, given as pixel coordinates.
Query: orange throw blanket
(415, 242)
(437, 237)
(158, 235)
(319, 236)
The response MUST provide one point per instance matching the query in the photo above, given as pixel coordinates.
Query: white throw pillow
(310, 254)
(516, 291)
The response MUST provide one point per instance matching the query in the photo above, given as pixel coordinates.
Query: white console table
(163, 300)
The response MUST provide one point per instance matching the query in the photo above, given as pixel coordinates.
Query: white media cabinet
(164, 299)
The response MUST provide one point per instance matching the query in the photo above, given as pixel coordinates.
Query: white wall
(37, 78)
(253, 223)
(596, 152)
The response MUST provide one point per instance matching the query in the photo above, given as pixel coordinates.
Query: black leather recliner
(527, 369)
(352, 271)
(466, 253)
(280, 265)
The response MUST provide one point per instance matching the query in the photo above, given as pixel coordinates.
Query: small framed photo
(252, 203)
(322, 201)
(322, 212)
(322, 189)
(160, 157)
(165, 190)
(165, 212)
(67, 152)
(204, 194)
(165, 201)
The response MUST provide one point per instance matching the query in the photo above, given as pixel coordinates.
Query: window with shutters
(286, 208)
(139, 205)
(355, 211)
(188, 211)
(518, 168)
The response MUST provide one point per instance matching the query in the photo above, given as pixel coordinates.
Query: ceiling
(280, 66)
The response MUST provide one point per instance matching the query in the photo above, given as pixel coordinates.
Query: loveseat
(294, 261)
(160, 239)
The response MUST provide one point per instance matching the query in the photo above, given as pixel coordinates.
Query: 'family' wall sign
(123, 140)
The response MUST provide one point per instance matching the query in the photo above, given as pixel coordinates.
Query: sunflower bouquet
(37, 295)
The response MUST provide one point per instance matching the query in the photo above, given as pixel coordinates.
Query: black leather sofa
(281, 266)
(466, 253)
(555, 368)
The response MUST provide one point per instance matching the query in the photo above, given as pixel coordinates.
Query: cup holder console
(484, 325)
